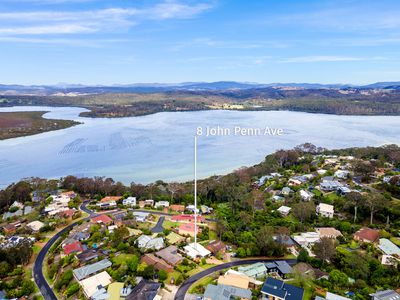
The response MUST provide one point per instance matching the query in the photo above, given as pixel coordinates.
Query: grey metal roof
(225, 292)
(83, 272)
(386, 295)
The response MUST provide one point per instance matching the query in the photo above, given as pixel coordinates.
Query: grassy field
(16, 124)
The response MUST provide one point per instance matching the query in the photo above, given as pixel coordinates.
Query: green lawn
(212, 235)
(36, 249)
(168, 224)
(122, 258)
(201, 283)
(174, 274)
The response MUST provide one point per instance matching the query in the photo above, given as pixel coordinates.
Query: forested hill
(114, 102)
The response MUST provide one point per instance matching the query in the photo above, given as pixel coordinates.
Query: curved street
(49, 294)
(181, 293)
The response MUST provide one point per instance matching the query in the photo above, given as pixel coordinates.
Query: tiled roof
(72, 248)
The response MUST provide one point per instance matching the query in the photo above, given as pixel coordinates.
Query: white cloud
(325, 58)
(111, 19)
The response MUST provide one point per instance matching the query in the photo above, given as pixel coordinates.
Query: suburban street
(181, 293)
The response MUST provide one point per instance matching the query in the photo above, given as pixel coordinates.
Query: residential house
(224, 292)
(159, 264)
(148, 202)
(86, 271)
(192, 209)
(170, 255)
(87, 256)
(144, 290)
(216, 247)
(187, 218)
(385, 295)
(284, 210)
(330, 185)
(306, 195)
(174, 238)
(67, 214)
(389, 248)
(331, 296)
(342, 174)
(188, 229)
(130, 201)
(237, 279)
(164, 204)
(286, 191)
(35, 226)
(274, 289)
(177, 208)
(256, 270)
(95, 283)
(328, 232)
(146, 242)
(102, 219)
(108, 202)
(75, 247)
(205, 209)
(196, 250)
(307, 239)
(294, 182)
(114, 290)
(366, 235)
(325, 210)
(140, 216)
(281, 267)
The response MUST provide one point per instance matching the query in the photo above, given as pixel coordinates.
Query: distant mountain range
(77, 89)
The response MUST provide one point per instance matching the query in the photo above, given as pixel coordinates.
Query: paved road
(180, 294)
(38, 275)
(158, 228)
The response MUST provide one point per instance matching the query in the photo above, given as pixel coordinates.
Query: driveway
(180, 295)
(158, 228)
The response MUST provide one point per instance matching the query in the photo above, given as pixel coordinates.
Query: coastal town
(304, 224)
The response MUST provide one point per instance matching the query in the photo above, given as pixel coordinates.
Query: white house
(196, 250)
(342, 174)
(284, 210)
(306, 195)
(35, 225)
(146, 242)
(161, 204)
(130, 201)
(325, 210)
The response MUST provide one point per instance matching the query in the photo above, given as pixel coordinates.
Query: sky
(105, 42)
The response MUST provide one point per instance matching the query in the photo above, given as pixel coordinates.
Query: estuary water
(160, 146)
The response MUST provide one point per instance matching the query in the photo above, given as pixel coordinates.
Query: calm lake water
(160, 146)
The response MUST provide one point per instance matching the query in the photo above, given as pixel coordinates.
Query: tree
(148, 272)
(303, 210)
(324, 249)
(375, 202)
(339, 279)
(355, 199)
(4, 269)
(72, 289)
(162, 275)
(265, 240)
(303, 256)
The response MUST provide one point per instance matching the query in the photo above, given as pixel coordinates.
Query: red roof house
(187, 218)
(188, 229)
(216, 246)
(75, 247)
(67, 213)
(110, 199)
(177, 207)
(102, 219)
(367, 235)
